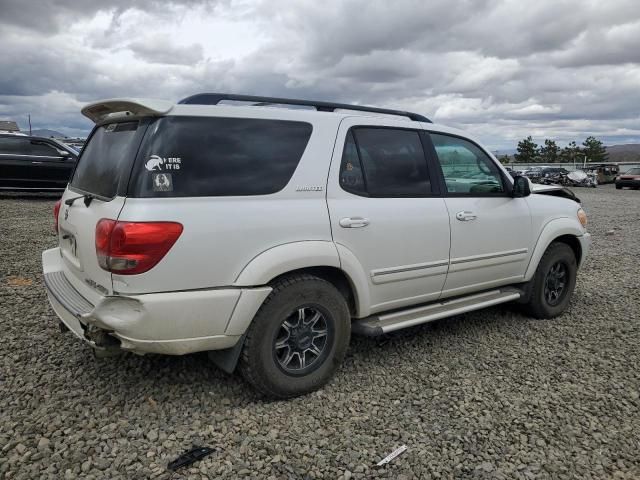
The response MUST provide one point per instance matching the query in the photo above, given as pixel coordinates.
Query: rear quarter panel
(222, 235)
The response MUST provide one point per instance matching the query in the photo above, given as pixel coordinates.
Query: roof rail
(215, 98)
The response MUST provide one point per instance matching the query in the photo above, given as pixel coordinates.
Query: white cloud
(499, 69)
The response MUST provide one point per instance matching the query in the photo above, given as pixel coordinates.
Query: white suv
(267, 235)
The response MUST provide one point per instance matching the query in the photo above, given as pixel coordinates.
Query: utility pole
(29, 124)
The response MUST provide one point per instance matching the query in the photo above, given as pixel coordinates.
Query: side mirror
(63, 153)
(521, 187)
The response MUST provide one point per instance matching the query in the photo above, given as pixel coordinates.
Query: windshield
(634, 171)
(105, 158)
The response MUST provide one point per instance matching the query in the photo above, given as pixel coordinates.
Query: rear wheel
(298, 338)
(553, 282)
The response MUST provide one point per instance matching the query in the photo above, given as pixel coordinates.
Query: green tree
(595, 150)
(527, 151)
(550, 152)
(571, 153)
(504, 159)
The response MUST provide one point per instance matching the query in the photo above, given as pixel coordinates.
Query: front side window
(466, 168)
(39, 148)
(392, 163)
(214, 156)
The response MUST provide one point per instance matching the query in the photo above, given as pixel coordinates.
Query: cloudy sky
(498, 69)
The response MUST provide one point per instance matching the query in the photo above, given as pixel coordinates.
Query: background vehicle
(605, 173)
(630, 178)
(267, 235)
(34, 163)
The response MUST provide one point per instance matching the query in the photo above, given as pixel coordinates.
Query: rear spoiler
(98, 111)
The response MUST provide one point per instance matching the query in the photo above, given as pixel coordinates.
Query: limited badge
(162, 182)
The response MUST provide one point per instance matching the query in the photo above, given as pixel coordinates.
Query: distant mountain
(624, 153)
(44, 132)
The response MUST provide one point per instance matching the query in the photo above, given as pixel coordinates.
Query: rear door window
(204, 156)
(384, 162)
(107, 158)
(15, 146)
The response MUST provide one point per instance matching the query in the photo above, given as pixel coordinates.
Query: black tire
(272, 337)
(542, 302)
(618, 187)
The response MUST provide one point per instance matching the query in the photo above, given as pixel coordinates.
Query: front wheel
(298, 338)
(553, 283)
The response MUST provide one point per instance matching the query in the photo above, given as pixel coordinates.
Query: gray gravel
(490, 394)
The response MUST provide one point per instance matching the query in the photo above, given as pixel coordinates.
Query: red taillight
(56, 212)
(128, 248)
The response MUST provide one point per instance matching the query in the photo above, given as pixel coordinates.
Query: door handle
(465, 216)
(36, 163)
(354, 222)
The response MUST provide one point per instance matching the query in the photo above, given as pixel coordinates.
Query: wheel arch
(318, 258)
(564, 230)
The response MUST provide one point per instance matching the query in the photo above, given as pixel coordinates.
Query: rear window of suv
(106, 158)
(204, 156)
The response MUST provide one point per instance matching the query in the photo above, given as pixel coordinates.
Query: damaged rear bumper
(173, 323)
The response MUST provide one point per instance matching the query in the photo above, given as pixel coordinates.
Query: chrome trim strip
(476, 258)
(33, 156)
(409, 268)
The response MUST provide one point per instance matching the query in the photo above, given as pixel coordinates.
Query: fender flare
(288, 257)
(285, 258)
(553, 229)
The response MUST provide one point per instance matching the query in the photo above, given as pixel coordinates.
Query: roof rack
(215, 98)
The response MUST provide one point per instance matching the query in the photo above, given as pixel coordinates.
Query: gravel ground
(490, 394)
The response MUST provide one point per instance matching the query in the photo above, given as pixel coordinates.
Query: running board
(376, 325)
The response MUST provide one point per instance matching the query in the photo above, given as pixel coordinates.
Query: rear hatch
(97, 190)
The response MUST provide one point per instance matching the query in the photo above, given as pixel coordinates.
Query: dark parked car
(630, 178)
(34, 163)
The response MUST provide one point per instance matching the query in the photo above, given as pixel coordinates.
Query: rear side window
(201, 156)
(391, 163)
(106, 158)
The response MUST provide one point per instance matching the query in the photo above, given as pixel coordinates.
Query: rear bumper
(173, 323)
(628, 183)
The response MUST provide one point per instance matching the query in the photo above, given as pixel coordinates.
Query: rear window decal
(158, 163)
(162, 182)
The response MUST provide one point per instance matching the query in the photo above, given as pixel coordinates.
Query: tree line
(549, 152)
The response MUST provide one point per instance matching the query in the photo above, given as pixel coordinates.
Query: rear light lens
(56, 212)
(129, 248)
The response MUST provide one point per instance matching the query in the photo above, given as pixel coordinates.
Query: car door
(15, 162)
(50, 166)
(491, 237)
(388, 221)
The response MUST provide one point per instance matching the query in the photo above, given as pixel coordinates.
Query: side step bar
(376, 325)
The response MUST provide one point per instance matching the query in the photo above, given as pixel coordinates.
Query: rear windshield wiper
(87, 199)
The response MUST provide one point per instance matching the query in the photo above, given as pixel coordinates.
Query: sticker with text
(159, 164)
